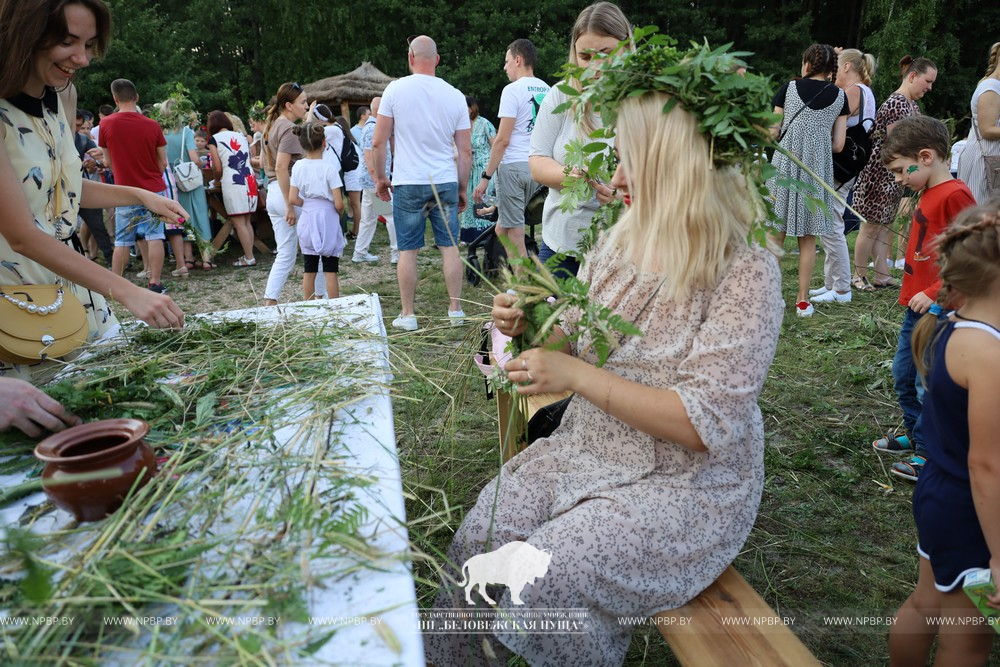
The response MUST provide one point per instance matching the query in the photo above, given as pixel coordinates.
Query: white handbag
(187, 174)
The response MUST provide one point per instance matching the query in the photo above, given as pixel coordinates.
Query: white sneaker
(900, 264)
(832, 297)
(804, 309)
(456, 317)
(394, 257)
(367, 257)
(818, 291)
(408, 323)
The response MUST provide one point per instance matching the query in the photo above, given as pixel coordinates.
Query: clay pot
(112, 446)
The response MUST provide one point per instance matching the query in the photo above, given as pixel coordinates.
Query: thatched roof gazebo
(355, 88)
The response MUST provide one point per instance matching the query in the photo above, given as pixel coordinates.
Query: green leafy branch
(544, 299)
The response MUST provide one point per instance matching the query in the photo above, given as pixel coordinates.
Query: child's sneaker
(893, 443)
(804, 309)
(910, 468)
(456, 317)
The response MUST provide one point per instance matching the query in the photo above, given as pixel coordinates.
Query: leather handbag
(187, 174)
(39, 322)
(992, 164)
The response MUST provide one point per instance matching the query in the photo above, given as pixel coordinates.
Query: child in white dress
(315, 186)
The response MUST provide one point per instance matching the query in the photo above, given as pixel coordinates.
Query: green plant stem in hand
(544, 299)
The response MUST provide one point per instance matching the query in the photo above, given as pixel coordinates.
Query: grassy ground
(835, 534)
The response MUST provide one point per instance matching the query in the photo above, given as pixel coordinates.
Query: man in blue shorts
(136, 152)
(429, 121)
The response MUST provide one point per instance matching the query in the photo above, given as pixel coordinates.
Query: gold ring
(524, 364)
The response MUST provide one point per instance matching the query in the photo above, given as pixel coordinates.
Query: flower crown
(258, 112)
(177, 110)
(733, 109)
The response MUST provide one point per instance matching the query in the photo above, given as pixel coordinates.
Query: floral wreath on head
(175, 111)
(258, 112)
(733, 109)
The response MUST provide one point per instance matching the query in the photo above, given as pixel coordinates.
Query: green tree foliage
(229, 53)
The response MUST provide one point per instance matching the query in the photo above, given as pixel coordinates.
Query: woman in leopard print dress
(876, 194)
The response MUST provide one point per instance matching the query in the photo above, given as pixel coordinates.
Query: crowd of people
(650, 485)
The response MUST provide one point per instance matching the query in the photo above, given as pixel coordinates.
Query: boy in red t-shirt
(136, 151)
(916, 152)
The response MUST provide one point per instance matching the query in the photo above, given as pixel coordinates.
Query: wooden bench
(752, 634)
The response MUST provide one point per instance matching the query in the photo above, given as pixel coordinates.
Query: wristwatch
(486, 176)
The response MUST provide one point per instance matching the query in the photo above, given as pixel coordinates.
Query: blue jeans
(413, 204)
(909, 387)
(563, 266)
(133, 221)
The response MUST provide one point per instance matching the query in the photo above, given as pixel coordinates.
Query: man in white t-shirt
(428, 121)
(519, 103)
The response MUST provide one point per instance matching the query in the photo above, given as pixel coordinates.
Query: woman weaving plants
(649, 487)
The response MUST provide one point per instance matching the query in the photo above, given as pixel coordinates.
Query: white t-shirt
(334, 143)
(426, 112)
(316, 179)
(521, 100)
(561, 231)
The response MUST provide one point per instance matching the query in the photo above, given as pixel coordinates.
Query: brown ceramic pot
(112, 446)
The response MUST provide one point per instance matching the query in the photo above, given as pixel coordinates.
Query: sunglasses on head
(296, 85)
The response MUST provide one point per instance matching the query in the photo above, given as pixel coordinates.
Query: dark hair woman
(813, 128)
(482, 141)
(230, 153)
(43, 44)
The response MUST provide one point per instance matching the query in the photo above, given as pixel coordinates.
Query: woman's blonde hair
(238, 125)
(863, 64)
(600, 18)
(969, 256)
(993, 61)
(687, 215)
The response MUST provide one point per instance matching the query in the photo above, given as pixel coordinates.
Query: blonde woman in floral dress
(648, 488)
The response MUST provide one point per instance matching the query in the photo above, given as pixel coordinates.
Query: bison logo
(515, 565)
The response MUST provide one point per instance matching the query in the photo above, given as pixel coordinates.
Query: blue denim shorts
(413, 204)
(132, 221)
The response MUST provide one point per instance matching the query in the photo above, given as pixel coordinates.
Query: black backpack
(349, 159)
(348, 155)
(849, 162)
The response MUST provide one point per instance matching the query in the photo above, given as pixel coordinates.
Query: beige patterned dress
(634, 525)
(39, 142)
